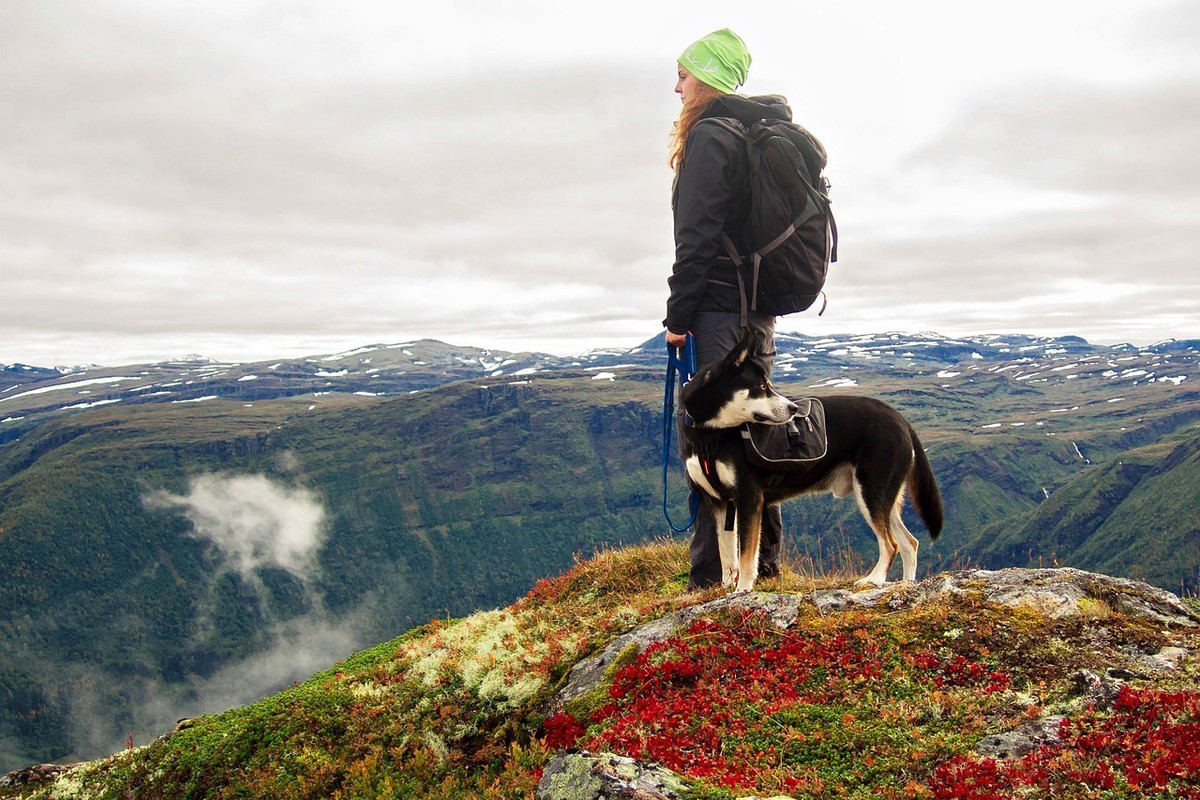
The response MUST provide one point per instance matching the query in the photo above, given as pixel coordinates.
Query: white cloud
(251, 521)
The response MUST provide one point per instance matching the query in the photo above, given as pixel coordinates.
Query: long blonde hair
(689, 115)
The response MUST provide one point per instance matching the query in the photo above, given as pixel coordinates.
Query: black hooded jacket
(711, 197)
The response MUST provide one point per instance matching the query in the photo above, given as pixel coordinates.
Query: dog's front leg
(749, 518)
(727, 545)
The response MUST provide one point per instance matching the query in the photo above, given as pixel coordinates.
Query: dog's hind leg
(749, 530)
(904, 540)
(727, 544)
(879, 520)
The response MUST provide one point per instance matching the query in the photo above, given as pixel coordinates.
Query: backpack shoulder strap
(740, 130)
(728, 123)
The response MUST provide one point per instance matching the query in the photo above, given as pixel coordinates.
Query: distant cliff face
(981, 684)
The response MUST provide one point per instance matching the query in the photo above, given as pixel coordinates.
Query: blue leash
(685, 365)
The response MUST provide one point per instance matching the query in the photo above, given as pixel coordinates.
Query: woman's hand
(676, 339)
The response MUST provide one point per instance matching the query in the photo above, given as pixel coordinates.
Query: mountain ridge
(388, 369)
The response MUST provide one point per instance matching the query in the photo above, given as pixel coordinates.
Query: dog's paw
(870, 581)
(731, 578)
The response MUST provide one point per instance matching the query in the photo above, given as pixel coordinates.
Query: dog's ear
(746, 348)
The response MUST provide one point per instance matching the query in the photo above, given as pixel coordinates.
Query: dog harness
(708, 467)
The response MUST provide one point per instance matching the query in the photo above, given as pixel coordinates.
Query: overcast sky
(255, 178)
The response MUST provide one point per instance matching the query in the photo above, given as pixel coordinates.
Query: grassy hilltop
(898, 700)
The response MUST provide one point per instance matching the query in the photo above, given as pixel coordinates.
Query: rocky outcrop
(1025, 739)
(1054, 593)
(1099, 690)
(602, 776)
(1057, 593)
(589, 776)
(31, 776)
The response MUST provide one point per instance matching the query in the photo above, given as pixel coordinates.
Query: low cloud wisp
(252, 522)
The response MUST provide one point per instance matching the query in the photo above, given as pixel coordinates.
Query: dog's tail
(922, 488)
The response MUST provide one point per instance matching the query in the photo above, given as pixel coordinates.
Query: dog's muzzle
(788, 411)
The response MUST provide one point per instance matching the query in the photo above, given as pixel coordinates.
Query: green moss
(1095, 608)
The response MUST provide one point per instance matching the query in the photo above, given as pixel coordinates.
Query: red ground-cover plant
(562, 730)
(743, 705)
(1149, 746)
(959, 671)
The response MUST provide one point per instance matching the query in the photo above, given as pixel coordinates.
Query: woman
(710, 199)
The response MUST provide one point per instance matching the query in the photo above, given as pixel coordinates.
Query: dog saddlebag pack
(790, 228)
(790, 446)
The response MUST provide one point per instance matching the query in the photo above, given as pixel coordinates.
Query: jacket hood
(749, 110)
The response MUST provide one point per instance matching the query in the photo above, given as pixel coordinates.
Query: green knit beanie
(720, 59)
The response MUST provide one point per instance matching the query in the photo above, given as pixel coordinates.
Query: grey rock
(1054, 592)
(588, 674)
(1166, 660)
(830, 600)
(1099, 690)
(39, 773)
(1024, 739)
(1057, 592)
(603, 776)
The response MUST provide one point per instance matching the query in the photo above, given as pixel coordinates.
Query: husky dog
(872, 451)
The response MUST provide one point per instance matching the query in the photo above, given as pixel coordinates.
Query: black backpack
(790, 229)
